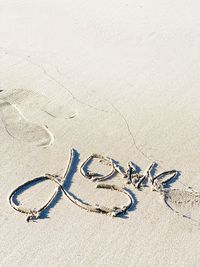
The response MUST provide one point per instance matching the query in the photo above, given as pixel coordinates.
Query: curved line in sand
(18, 127)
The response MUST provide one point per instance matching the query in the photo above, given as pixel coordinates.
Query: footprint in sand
(22, 129)
(184, 202)
(28, 99)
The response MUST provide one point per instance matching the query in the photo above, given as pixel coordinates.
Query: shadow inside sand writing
(21, 189)
(29, 184)
(133, 206)
(68, 180)
(67, 183)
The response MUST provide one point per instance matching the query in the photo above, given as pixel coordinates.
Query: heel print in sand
(20, 128)
(184, 202)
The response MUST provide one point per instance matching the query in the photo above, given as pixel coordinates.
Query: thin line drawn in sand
(134, 142)
(62, 85)
(34, 214)
(18, 127)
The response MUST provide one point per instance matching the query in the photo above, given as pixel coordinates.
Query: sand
(117, 78)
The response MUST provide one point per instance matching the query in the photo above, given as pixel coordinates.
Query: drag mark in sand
(18, 127)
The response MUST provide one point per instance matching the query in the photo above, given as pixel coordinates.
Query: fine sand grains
(21, 128)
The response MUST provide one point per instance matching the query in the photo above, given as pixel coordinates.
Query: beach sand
(117, 78)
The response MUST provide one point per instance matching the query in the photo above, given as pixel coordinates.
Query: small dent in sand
(22, 129)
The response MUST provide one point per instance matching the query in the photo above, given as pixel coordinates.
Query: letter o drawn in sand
(22, 129)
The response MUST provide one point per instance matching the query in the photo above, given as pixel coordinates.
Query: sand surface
(118, 78)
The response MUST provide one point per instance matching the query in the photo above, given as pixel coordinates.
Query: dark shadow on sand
(66, 185)
(167, 184)
(133, 206)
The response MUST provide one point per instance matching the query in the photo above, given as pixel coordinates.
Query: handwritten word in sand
(182, 202)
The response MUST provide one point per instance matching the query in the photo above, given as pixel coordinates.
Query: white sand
(120, 78)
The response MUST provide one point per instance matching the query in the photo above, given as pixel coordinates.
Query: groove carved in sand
(33, 214)
(22, 129)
